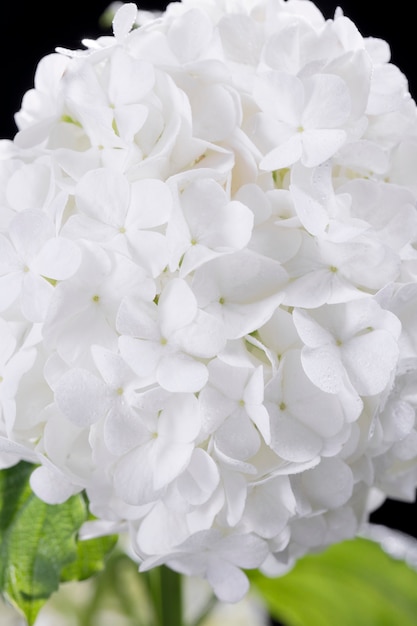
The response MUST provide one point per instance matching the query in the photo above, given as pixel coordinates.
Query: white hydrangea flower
(208, 272)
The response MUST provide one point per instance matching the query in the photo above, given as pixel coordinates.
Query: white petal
(321, 412)
(254, 390)
(213, 221)
(160, 530)
(229, 583)
(370, 360)
(58, 259)
(111, 366)
(330, 484)
(259, 416)
(81, 226)
(17, 450)
(201, 478)
(28, 187)
(52, 487)
(151, 203)
(214, 407)
(215, 111)
(284, 155)
(148, 249)
(138, 319)
(124, 20)
(35, 297)
(237, 437)
(10, 286)
(329, 102)
(29, 230)
(245, 550)
(130, 79)
(189, 34)
(312, 213)
(129, 119)
(280, 95)
(310, 331)
(231, 381)
(177, 307)
(204, 338)
(123, 430)
(170, 460)
(141, 355)
(181, 373)
(269, 507)
(179, 420)
(293, 441)
(81, 397)
(133, 475)
(9, 261)
(324, 368)
(242, 289)
(103, 195)
(312, 290)
(320, 145)
(194, 256)
(235, 488)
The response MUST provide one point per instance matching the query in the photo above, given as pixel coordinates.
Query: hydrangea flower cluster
(208, 283)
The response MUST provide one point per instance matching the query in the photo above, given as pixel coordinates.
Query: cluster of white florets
(208, 294)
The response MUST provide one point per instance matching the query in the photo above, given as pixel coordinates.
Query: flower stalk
(165, 593)
(171, 597)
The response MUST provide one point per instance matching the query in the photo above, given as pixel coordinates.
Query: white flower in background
(208, 271)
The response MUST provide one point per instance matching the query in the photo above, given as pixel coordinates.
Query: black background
(32, 29)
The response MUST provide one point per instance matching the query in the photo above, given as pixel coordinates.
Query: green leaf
(354, 583)
(38, 542)
(90, 559)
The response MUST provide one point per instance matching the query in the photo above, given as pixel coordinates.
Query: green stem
(164, 590)
(170, 598)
